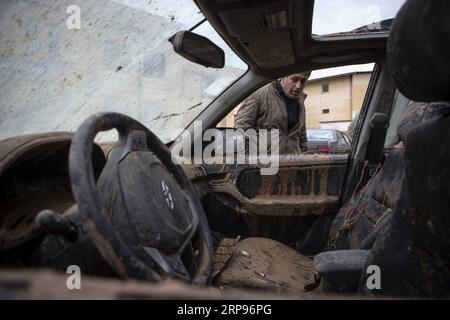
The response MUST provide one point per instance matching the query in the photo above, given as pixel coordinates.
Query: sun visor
(257, 27)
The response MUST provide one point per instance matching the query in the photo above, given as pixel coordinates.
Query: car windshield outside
(343, 18)
(319, 134)
(62, 61)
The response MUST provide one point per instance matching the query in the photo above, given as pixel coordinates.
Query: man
(278, 105)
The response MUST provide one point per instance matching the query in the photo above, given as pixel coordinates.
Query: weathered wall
(360, 83)
(337, 101)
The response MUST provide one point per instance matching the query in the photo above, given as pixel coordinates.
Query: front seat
(413, 251)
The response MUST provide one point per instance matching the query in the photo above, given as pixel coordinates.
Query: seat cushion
(261, 263)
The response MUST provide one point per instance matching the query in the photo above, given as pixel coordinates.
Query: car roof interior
(274, 46)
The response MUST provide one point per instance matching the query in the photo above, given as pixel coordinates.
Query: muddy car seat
(360, 220)
(363, 218)
(413, 251)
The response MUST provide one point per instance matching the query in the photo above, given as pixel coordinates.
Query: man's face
(294, 84)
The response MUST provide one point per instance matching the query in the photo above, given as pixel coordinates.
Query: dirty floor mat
(260, 263)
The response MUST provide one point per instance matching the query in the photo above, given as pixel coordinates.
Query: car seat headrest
(418, 50)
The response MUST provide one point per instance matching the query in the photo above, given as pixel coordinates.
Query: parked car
(370, 222)
(327, 140)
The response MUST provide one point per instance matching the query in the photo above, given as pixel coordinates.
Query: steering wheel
(143, 214)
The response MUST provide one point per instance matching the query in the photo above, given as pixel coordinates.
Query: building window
(325, 110)
(325, 87)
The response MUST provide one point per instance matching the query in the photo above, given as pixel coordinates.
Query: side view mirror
(198, 49)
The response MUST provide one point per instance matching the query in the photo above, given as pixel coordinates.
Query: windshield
(313, 134)
(61, 61)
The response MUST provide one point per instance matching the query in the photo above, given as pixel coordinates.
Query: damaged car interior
(321, 226)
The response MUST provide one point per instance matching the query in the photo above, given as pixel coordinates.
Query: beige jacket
(265, 109)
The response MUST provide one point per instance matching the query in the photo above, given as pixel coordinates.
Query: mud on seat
(261, 263)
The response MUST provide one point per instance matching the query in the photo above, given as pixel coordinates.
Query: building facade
(333, 101)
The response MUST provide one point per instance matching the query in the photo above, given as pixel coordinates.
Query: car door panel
(306, 184)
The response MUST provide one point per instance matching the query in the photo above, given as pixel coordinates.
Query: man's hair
(303, 72)
(308, 72)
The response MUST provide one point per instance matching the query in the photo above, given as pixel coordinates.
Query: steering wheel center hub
(140, 189)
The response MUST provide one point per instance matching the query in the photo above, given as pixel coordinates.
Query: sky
(331, 16)
(318, 74)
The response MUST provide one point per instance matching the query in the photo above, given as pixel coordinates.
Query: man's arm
(247, 114)
(303, 139)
